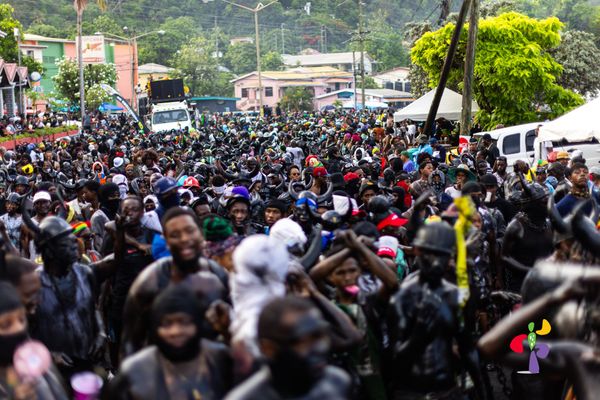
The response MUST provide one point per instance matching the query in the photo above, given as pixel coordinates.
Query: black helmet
(52, 228)
(378, 205)
(21, 180)
(528, 193)
(438, 237)
(389, 175)
(14, 198)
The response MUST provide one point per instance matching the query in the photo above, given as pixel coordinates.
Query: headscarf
(261, 266)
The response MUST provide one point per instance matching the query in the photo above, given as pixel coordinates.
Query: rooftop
(300, 73)
(152, 68)
(322, 59)
(39, 38)
(383, 93)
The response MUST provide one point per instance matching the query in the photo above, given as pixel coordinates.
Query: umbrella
(109, 107)
(328, 107)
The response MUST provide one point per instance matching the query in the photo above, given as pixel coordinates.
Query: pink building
(48, 50)
(320, 80)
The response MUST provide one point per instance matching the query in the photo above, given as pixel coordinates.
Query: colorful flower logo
(538, 350)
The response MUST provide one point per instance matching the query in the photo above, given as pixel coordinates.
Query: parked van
(517, 143)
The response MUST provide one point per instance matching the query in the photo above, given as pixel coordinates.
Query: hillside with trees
(196, 31)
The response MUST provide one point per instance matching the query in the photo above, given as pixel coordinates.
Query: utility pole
(80, 66)
(132, 45)
(467, 97)
(444, 10)
(282, 39)
(322, 39)
(259, 7)
(216, 40)
(362, 37)
(354, 76)
(18, 38)
(435, 104)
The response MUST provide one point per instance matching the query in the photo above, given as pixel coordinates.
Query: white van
(517, 143)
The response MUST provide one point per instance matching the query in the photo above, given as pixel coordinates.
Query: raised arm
(373, 263)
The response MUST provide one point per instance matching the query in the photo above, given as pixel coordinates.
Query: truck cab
(168, 116)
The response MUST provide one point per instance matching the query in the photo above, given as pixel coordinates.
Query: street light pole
(132, 44)
(259, 7)
(18, 38)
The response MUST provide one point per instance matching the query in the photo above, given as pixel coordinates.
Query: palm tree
(80, 6)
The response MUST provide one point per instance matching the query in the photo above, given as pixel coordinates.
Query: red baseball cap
(319, 171)
(391, 220)
(350, 176)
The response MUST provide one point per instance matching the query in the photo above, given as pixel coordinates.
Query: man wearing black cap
(274, 211)
(13, 333)
(492, 200)
(425, 325)
(293, 338)
(182, 363)
(109, 198)
(186, 266)
(492, 150)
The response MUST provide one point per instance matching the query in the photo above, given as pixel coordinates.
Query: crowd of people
(299, 256)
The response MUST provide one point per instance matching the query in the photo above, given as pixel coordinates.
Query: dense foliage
(515, 77)
(297, 99)
(67, 82)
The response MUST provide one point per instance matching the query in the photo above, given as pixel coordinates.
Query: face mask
(431, 267)
(184, 353)
(477, 201)
(294, 374)
(8, 345)
(112, 205)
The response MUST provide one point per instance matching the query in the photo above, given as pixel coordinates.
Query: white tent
(450, 107)
(368, 104)
(578, 125)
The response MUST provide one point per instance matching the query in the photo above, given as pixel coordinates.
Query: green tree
(95, 96)
(578, 55)
(32, 65)
(297, 99)
(102, 23)
(161, 49)
(66, 81)
(48, 31)
(271, 61)
(385, 44)
(515, 77)
(8, 45)
(369, 83)
(200, 72)
(241, 58)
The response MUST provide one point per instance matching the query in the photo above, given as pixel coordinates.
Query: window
(30, 53)
(49, 59)
(337, 86)
(529, 138)
(244, 93)
(511, 144)
(269, 91)
(166, 117)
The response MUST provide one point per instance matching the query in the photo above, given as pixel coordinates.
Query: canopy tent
(450, 107)
(576, 126)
